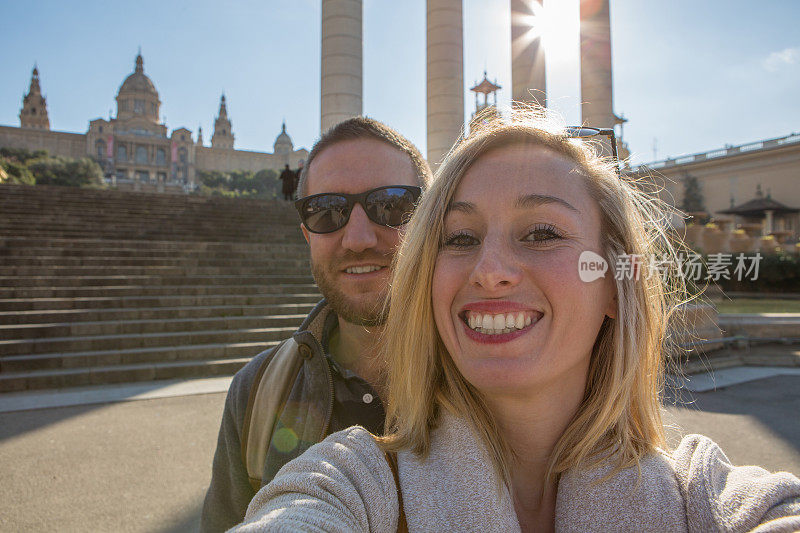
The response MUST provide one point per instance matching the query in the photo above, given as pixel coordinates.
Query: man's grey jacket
(305, 420)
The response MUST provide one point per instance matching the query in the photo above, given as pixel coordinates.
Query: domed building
(134, 147)
(283, 144)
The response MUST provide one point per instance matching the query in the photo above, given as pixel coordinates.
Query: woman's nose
(496, 267)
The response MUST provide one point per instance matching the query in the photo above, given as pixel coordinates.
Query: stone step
(77, 377)
(57, 273)
(80, 234)
(305, 294)
(15, 364)
(9, 295)
(121, 219)
(73, 316)
(156, 250)
(139, 340)
(764, 325)
(60, 263)
(163, 325)
(133, 245)
(150, 281)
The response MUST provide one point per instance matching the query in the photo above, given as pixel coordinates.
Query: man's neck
(354, 347)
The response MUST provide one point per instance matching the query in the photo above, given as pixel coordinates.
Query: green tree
(692, 195)
(66, 172)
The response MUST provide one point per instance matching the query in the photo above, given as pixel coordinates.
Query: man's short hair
(366, 128)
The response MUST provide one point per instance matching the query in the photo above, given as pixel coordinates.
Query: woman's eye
(543, 234)
(460, 240)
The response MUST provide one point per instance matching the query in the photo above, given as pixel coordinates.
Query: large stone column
(341, 79)
(445, 73)
(527, 53)
(596, 91)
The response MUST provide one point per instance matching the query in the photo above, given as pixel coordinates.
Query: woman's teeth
(501, 323)
(362, 269)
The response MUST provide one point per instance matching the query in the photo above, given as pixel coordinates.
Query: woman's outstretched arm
(723, 497)
(343, 484)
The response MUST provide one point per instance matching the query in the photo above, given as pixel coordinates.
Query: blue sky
(695, 75)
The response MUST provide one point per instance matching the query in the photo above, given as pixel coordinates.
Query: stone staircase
(102, 287)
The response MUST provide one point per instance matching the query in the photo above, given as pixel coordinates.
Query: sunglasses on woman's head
(388, 206)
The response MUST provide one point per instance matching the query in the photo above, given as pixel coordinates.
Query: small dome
(283, 143)
(138, 82)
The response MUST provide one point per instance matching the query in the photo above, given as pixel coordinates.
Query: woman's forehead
(518, 170)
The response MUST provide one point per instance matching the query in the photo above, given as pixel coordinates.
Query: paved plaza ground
(144, 465)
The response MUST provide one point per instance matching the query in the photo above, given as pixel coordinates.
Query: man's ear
(305, 232)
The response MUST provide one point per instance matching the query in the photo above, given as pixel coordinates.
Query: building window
(143, 175)
(162, 177)
(122, 153)
(161, 157)
(138, 106)
(141, 154)
(100, 147)
(100, 129)
(182, 155)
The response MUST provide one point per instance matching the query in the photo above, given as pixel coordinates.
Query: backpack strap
(268, 395)
(402, 525)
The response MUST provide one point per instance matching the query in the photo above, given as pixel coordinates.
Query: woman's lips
(495, 322)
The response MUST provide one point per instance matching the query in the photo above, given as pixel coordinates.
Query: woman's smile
(496, 321)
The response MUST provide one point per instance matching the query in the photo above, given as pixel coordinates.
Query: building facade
(135, 149)
(736, 175)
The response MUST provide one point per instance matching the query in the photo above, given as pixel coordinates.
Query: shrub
(11, 171)
(239, 183)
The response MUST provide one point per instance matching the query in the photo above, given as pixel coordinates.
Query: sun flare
(556, 23)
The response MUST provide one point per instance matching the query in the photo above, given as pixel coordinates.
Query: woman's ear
(611, 309)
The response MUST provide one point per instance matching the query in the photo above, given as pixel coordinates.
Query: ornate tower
(199, 136)
(223, 136)
(485, 110)
(34, 106)
(283, 143)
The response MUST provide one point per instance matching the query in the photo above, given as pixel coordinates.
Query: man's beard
(370, 314)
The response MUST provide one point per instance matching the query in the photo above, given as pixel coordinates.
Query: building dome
(137, 96)
(138, 81)
(283, 143)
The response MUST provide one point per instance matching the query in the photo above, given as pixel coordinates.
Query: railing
(722, 152)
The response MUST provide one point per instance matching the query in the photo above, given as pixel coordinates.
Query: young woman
(522, 395)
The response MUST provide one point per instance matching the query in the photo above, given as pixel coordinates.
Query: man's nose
(497, 266)
(359, 232)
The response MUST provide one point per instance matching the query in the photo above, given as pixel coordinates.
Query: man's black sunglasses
(388, 206)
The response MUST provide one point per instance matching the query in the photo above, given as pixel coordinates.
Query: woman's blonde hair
(620, 411)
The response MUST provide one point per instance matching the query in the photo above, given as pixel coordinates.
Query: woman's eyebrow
(535, 200)
(461, 207)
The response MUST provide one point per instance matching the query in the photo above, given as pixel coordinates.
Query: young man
(361, 181)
